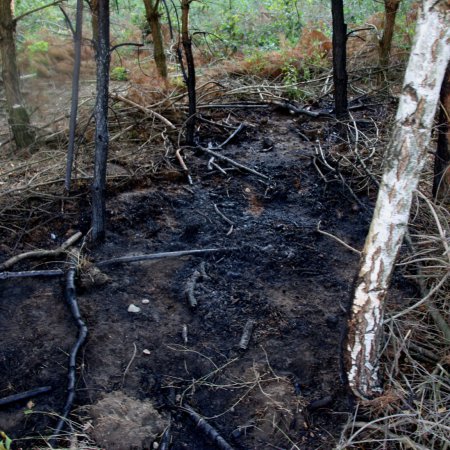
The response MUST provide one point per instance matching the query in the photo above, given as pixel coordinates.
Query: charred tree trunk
(441, 182)
(407, 153)
(390, 12)
(18, 117)
(339, 59)
(153, 19)
(190, 76)
(75, 90)
(102, 57)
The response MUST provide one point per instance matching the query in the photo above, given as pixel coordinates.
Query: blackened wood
(441, 181)
(187, 46)
(75, 90)
(162, 255)
(31, 273)
(101, 129)
(71, 298)
(24, 395)
(207, 429)
(339, 59)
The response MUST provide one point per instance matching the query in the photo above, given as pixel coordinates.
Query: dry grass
(414, 411)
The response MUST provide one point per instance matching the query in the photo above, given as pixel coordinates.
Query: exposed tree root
(41, 253)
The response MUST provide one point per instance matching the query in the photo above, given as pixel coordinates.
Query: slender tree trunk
(101, 123)
(75, 89)
(153, 19)
(406, 156)
(187, 46)
(94, 20)
(339, 59)
(441, 182)
(390, 12)
(18, 117)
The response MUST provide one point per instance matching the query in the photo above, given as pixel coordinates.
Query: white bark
(405, 159)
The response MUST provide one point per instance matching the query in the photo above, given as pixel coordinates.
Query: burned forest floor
(259, 356)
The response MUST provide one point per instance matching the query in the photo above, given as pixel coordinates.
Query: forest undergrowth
(146, 123)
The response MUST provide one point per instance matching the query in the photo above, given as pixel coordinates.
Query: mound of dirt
(119, 422)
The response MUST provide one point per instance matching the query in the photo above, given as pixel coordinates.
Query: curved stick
(70, 295)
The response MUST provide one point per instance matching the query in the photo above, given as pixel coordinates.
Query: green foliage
(5, 441)
(290, 80)
(38, 47)
(119, 74)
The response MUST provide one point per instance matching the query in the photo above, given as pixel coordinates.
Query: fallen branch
(232, 135)
(297, 110)
(31, 273)
(246, 334)
(198, 275)
(212, 164)
(71, 298)
(332, 236)
(224, 217)
(24, 395)
(41, 253)
(190, 288)
(232, 162)
(207, 429)
(143, 109)
(162, 255)
(183, 165)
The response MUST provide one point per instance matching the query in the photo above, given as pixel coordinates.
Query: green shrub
(38, 47)
(119, 73)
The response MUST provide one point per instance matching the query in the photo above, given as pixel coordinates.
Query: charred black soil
(275, 269)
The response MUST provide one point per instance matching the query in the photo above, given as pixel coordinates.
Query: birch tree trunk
(406, 156)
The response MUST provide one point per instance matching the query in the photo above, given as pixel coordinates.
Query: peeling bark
(406, 156)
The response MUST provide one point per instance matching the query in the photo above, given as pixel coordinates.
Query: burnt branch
(71, 298)
(24, 395)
